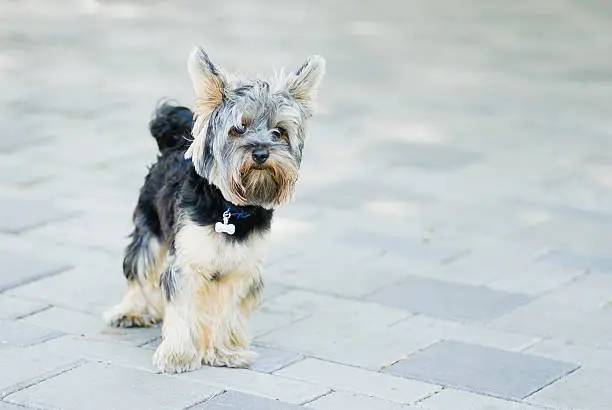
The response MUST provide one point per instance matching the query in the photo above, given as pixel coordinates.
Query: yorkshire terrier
(203, 216)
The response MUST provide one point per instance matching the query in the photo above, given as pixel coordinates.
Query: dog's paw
(234, 358)
(116, 318)
(172, 359)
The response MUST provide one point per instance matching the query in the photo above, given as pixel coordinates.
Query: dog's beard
(269, 185)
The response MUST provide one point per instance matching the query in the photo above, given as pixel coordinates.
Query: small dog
(205, 210)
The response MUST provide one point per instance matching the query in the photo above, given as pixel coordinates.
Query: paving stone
(259, 384)
(9, 406)
(90, 326)
(13, 308)
(433, 158)
(77, 231)
(232, 400)
(330, 322)
(20, 367)
(338, 277)
(410, 247)
(103, 351)
(270, 359)
(586, 388)
(448, 300)
(359, 381)
(587, 356)
(21, 334)
(382, 347)
(21, 268)
(353, 401)
(535, 279)
(86, 289)
(482, 369)
(91, 383)
(462, 400)
(270, 317)
(578, 313)
(19, 214)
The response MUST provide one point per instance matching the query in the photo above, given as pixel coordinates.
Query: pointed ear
(208, 82)
(303, 84)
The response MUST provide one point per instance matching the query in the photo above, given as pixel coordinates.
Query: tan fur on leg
(226, 305)
(141, 306)
(206, 323)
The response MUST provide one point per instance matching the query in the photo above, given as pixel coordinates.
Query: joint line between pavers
(330, 391)
(552, 382)
(36, 278)
(45, 376)
(34, 312)
(212, 396)
(43, 224)
(434, 393)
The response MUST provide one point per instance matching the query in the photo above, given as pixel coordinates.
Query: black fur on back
(173, 187)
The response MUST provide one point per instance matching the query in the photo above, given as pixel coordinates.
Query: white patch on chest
(204, 250)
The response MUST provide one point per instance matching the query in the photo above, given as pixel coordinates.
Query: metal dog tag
(225, 226)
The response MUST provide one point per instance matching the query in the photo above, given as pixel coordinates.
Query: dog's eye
(278, 133)
(240, 130)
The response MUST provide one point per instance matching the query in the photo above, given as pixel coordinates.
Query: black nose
(260, 155)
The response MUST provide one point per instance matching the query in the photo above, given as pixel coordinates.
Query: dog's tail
(171, 126)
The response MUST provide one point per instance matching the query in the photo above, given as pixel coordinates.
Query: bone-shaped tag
(225, 228)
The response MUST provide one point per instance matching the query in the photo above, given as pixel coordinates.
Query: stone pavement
(449, 247)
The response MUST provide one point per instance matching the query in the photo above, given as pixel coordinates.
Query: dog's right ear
(208, 82)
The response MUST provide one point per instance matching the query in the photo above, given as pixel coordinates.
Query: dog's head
(249, 134)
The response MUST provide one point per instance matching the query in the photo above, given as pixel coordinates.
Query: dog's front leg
(181, 348)
(224, 318)
(206, 319)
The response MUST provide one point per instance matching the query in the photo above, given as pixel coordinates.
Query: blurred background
(456, 185)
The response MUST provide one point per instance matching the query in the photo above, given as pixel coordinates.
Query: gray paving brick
(104, 351)
(77, 232)
(578, 312)
(575, 353)
(90, 385)
(360, 381)
(413, 249)
(353, 401)
(13, 308)
(258, 384)
(232, 400)
(20, 367)
(9, 406)
(586, 388)
(331, 321)
(21, 334)
(482, 369)
(270, 317)
(270, 359)
(355, 278)
(435, 158)
(384, 346)
(91, 289)
(462, 400)
(19, 214)
(19, 268)
(448, 300)
(89, 326)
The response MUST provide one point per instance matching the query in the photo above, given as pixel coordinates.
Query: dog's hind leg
(145, 259)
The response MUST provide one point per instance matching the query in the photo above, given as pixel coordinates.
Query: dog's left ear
(208, 82)
(303, 84)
